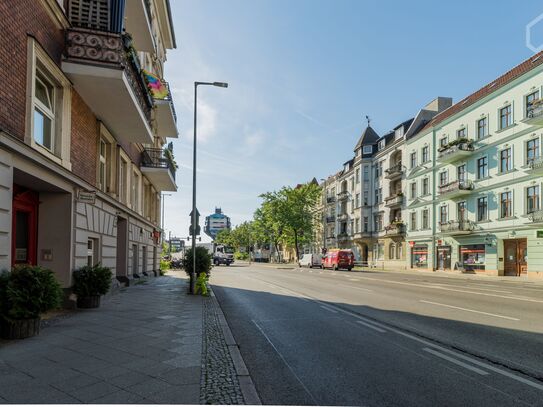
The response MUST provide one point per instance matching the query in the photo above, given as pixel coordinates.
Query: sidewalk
(143, 345)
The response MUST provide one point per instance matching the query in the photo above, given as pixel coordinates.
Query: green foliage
(27, 292)
(241, 256)
(201, 284)
(90, 281)
(203, 261)
(164, 265)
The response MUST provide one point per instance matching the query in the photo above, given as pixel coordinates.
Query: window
(135, 192)
(473, 256)
(102, 166)
(123, 184)
(419, 256)
(506, 118)
(482, 167)
(357, 200)
(378, 222)
(391, 251)
(461, 173)
(379, 249)
(506, 160)
(44, 112)
(443, 141)
(443, 216)
(366, 173)
(532, 199)
(367, 150)
(366, 198)
(425, 154)
(425, 218)
(399, 251)
(92, 252)
(381, 144)
(482, 128)
(413, 190)
(413, 223)
(461, 133)
(425, 186)
(532, 151)
(378, 195)
(413, 159)
(366, 223)
(529, 101)
(379, 168)
(506, 204)
(358, 175)
(482, 209)
(443, 178)
(352, 183)
(461, 211)
(357, 225)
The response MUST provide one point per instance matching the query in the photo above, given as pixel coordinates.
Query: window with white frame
(413, 190)
(381, 144)
(425, 219)
(134, 199)
(358, 175)
(103, 165)
(92, 252)
(425, 154)
(532, 151)
(357, 200)
(366, 198)
(506, 160)
(443, 214)
(461, 133)
(413, 222)
(506, 204)
(425, 186)
(44, 112)
(506, 117)
(482, 128)
(399, 251)
(366, 173)
(482, 209)
(413, 159)
(366, 224)
(123, 180)
(443, 141)
(367, 149)
(529, 102)
(482, 167)
(443, 178)
(532, 199)
(391, 251)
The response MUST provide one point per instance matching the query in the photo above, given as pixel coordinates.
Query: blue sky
(304, 73)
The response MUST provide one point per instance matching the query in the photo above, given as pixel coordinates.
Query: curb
(250, 395)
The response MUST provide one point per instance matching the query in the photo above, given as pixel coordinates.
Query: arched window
(391, 250)
(399, 251)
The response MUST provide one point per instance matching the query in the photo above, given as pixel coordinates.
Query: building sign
(86, 196)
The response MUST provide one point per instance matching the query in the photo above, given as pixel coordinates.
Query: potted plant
(90, 283)
(25, 293)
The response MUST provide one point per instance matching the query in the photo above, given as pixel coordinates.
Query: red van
(338, 259)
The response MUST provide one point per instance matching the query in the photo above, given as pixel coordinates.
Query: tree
(225, 237)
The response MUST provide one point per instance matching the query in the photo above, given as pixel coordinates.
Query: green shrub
(91, 280)
(28, 291)
(164, 265)
(201, 284)
(203, 261)
(241, 256)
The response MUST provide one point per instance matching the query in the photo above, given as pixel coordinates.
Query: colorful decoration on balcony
(156, 87)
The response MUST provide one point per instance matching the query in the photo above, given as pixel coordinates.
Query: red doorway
(24, 226)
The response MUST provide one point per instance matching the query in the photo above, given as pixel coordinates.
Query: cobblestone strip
(219, 381)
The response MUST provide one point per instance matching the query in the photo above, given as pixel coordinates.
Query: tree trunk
(296, 246)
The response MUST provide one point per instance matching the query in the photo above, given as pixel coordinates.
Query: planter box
(19, 328)
(88, 302)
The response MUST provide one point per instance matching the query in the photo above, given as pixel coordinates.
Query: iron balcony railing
(330, 219)
(330, 199)
(396, 199)
(343, 195)
(158, 158)
(454, 226)
(536, 164)
(342, 236)
(395, 229)
(535, 111)
(451, 150)
(536, 216)
(455, 186)
(394, 170)
(342, 216)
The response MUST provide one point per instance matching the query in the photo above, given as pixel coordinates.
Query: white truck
(222, 255)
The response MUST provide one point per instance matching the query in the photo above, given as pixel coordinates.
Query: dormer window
(398, 133)
(367, 149)
(381, 144)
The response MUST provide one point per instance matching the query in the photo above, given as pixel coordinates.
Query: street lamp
(194, 216)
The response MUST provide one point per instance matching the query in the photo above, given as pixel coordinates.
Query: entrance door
(144, 260)
(443, 257)
(24, 226)
(135, 255)
(516, 257)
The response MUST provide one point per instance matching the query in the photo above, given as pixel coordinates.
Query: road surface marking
(329, 309)
(371, 326)
(470, 288)
(285, 362)
(456, 362)
(470, 310)
(452, 289)
(354, 279)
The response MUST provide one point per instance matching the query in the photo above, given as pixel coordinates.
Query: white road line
(470, 288)
(372, 327)
(470, 310)
(360, 288)
(354, 279)
(285, 362)
(451, 289)
(329, 309)
(456, 362)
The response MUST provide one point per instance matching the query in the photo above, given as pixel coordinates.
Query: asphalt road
(312, 337)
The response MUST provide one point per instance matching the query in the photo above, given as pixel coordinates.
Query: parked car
(310, 260)
(338, 259)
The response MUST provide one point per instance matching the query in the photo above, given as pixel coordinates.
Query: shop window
(473, 257)
(419, 256)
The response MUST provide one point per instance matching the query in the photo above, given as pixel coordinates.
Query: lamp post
(194, 216)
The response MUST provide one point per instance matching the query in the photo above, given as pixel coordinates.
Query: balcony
(159, 167)
(342, 216)
(362, 235)
(394, 171)
(536, 165)
(343, 195)
(331, 240)
(106, 73)
(342, 237)
(535, 114)
(394, 200)
(165, 116)
(455, 151)
(536, 216)
(457, 227)
(395, 230)
(455, 189)
(330, 219)
(330, 199)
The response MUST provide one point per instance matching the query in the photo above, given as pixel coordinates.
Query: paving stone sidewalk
(143, 345)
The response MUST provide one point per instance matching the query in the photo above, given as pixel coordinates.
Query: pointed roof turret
(368, 137)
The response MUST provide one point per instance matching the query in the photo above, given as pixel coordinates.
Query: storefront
(419, 256)
(473, 257)
(443, 257)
